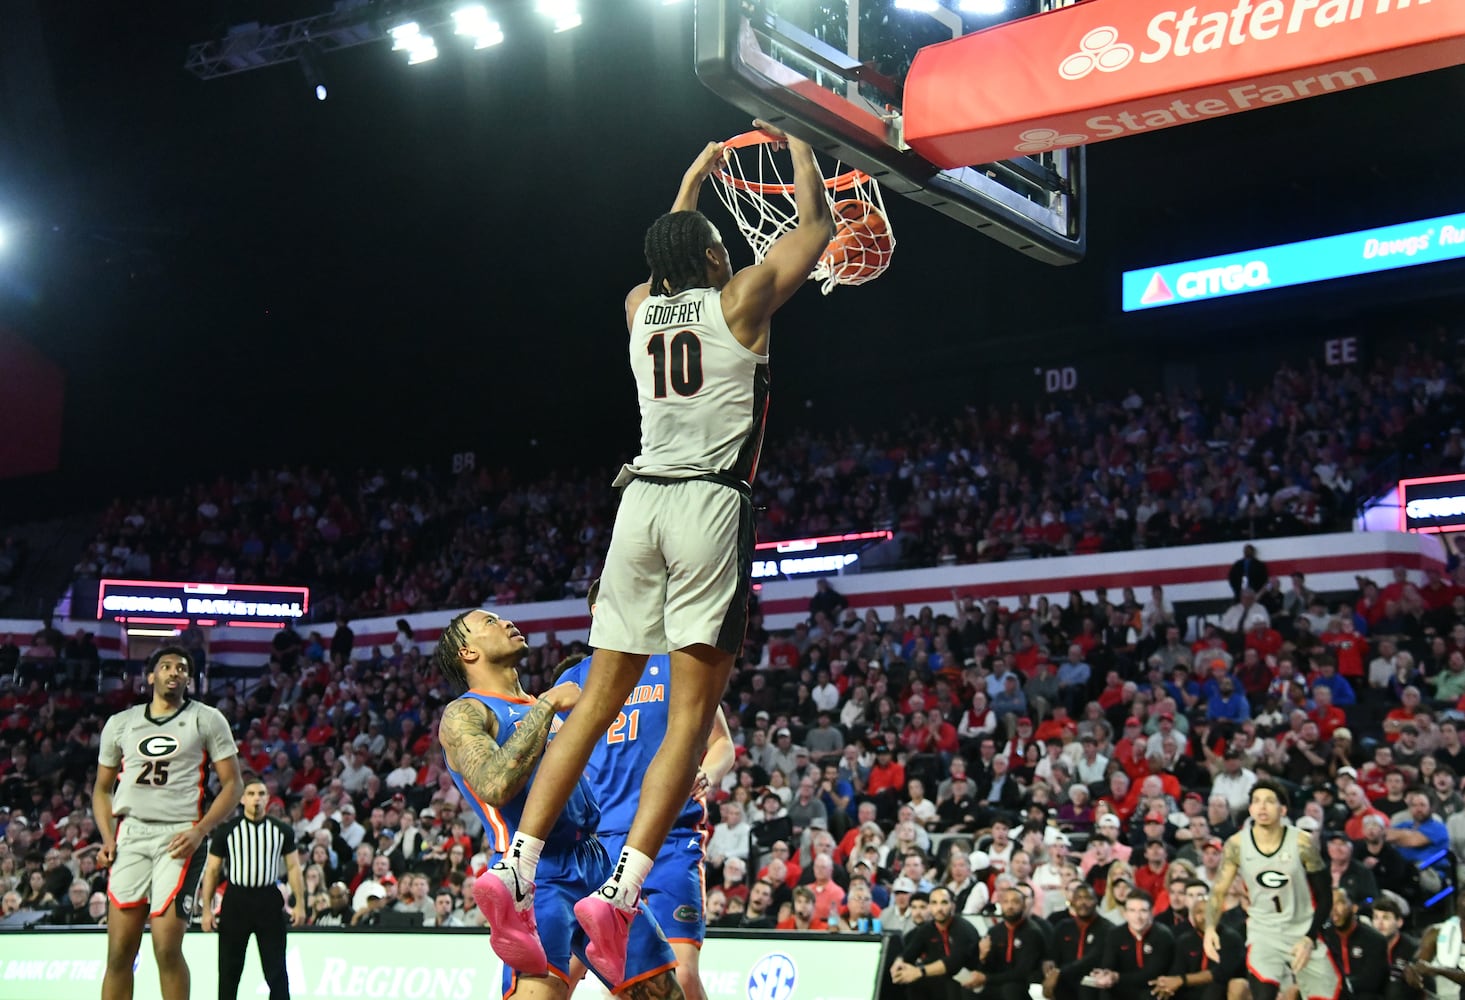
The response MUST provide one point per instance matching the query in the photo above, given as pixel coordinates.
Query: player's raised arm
(1216, 904)
(706, 162)
(755, 293)
(468, 732)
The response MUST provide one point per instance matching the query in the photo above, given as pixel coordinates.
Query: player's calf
(662, 986)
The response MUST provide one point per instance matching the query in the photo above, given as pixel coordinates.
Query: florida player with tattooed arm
(679, 565)
(152, 764)
(1284, 873)
(674, 891)
(493, 737)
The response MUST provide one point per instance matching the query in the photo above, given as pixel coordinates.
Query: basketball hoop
(751, 186)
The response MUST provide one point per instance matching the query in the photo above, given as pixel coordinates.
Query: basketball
(861, 246)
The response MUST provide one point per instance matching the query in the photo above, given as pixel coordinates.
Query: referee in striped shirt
(251, 853)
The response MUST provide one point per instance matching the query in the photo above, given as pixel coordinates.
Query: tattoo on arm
(1230, 864)
(495, 773)
(1312, 858)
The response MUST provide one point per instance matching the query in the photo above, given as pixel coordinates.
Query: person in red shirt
(943, 734)
(1150, 876)
(865, 814)
(1118, 795)
(802, 918)
(1057, 726)
(1348, 649)
(886, 783)
(1133, 733)
(1395, 590)
(1437, 591)
(827, 893)
(1329, 717)
(1403, 715)
(1113, 692)
(1266, 640)
(1017, 748)
(1358, 809)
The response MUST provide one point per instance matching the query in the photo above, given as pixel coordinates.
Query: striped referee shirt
(253, 852)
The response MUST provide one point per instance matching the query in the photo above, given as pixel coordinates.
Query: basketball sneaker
(609, 929)
(507, 904)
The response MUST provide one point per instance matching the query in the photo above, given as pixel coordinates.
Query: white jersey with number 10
(703, 395)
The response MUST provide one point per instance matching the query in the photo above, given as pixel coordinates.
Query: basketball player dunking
(1290, 891)
(677, 573)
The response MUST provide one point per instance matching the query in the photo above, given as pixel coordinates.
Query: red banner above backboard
(1109, 68)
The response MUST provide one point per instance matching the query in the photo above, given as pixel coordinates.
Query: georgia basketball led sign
(809, 556)
(1363, 252)
(162, 602)
(1433, 505)
(1108, 68)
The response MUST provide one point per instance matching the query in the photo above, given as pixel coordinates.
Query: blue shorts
(675, 891)
(566, 876)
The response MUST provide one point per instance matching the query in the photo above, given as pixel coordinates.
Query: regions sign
(158, 602)
(435, 965)
(1405, 244)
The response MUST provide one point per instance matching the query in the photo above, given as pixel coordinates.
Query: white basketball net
(762, 203)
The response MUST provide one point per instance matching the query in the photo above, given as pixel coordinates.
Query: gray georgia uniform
(163, 770)
(1281, 912)
(677, 572)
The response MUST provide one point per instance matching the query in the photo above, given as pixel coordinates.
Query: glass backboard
(833, 72)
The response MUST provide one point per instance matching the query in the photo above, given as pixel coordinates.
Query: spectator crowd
(1072, 474)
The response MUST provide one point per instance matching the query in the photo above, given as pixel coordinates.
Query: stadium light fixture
(564, 13)
(473, 22)
(982, 6)
(409, 38)
(309, 60)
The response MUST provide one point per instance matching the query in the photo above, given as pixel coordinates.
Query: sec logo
(160, 745)
(773, 978)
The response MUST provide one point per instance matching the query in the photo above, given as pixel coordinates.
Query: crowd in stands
(1101, 742)
(1071, 474)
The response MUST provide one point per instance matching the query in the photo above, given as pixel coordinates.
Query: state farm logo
(1039, 140)
(1100, 50)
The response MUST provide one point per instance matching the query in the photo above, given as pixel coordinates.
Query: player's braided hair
(675, 251)
(454, 638)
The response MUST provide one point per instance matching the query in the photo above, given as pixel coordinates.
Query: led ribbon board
(1433, 505)
(1404, 245)
(160, 602)
(810, 556)
(1109, 68)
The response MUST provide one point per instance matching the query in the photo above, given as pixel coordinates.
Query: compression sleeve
(1321, 885)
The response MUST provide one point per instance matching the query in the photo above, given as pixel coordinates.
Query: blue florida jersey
(619, 761)
(581, 815)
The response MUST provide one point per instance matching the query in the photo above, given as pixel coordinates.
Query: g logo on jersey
(1271, 880)
(773, 978)
(161, 745)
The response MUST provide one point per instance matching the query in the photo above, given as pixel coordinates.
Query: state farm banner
(1108, 68)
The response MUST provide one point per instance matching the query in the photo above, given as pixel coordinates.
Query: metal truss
(348, 24)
